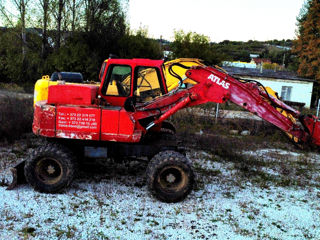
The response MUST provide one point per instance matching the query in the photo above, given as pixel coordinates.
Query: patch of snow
(263, 152)
(227, 206)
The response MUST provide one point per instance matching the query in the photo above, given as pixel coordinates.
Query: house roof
(266, 73)
(261, 60)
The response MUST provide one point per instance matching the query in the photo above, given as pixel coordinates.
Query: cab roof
(135, 61)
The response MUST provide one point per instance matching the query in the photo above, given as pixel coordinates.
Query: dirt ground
(261, 193)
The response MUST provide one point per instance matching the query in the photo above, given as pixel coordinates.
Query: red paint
(44, 120)
(109, 124)
(73, 94)
(126, 125)
(78, 122)
(115, 101)
(313, 125)
(173, 110)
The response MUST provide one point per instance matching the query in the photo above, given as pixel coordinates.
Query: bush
(16, 117)
(205, 133)
(12, 87)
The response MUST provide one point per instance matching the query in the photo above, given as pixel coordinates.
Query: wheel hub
(51, 170)
(170, 178)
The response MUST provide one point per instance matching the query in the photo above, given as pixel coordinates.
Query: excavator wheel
(50, 168)
(170, 176)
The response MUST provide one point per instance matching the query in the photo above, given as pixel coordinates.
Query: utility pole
(283, 60)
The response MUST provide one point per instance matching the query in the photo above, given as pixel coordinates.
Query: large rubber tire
(50, 168)
(170, 176)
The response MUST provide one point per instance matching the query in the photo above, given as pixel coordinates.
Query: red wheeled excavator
(126, 117)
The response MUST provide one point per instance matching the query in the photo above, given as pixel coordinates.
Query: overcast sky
(238, 20)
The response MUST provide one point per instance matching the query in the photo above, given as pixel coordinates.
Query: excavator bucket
(17, 175)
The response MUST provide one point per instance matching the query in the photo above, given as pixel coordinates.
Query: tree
(66, 35)
(21, 7)
(193, 45)
(86, 48)
(307, 46)
(139, 46)
(58, 11)
(73, 6)
(104, 27)
(45, 18)
(273, 66)
(14, 66)
(19, 46)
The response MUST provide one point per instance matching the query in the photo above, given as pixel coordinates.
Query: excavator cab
(138, 79)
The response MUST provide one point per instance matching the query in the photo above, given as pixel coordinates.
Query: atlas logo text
(218, 81)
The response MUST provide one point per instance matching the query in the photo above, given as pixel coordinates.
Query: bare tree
(75, 7)
(93, 11)
(58, 8)
(6, 15)
(59, 19)
(21, 6)
(45, 18)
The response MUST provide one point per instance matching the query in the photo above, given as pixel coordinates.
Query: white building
(288, 85)
(167, 53)
(254, 55)
(239, 64)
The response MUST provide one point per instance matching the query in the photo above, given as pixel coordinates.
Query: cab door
(148, 83)
(117, 86)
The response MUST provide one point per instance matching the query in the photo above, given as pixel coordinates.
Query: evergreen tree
(307, 46)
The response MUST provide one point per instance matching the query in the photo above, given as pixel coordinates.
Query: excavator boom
(214, 85)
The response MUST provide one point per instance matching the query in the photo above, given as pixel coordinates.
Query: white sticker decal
(218, 81)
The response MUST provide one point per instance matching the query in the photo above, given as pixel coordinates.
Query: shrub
(15, 117)
(12, 87)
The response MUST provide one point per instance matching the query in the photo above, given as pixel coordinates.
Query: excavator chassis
(149, 147)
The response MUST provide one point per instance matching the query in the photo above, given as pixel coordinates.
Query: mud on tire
(170, 176)
(50, 168)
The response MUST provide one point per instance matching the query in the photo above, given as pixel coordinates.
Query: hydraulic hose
(173, 73)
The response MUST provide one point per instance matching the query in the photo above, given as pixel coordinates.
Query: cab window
(148, 83)
(118, 81)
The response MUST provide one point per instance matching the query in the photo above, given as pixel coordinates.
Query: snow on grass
(229, 202)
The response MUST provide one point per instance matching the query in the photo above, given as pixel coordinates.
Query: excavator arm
(214, 85)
